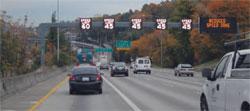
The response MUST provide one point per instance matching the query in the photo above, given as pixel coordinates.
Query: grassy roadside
(209, 64)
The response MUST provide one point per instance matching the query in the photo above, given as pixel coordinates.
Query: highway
(160, 91)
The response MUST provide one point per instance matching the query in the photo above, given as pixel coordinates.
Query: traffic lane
(87, 101)
(150, 93)
(169, 73)
(24, 100)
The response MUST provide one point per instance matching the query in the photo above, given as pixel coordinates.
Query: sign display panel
(109, 23)
(103, 50)
(136, 23)
(85, 23)
(218, 25)
(123, 45)
(161, 24)
(186, 24)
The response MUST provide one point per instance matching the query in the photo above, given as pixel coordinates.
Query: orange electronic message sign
(218, 25)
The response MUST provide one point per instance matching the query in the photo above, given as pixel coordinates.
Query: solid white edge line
(124, 97)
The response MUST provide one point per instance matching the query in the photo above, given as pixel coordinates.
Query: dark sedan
(85, 78)
(119, 68)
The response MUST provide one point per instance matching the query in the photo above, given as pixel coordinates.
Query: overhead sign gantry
(205, 25)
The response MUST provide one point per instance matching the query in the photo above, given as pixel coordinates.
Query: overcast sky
(40, 11)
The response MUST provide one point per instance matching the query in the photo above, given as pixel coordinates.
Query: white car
(132, 65)
(142, 65)
(228, 85)
(186, 69)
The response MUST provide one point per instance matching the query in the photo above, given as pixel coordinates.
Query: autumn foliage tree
(14, 46)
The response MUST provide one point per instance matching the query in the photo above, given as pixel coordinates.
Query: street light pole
(58, 49)
(161, 47)
(160, 35)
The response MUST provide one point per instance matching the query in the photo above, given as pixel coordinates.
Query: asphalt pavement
(159, 91)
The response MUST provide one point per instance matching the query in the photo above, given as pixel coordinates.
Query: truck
(227, 87)
(84, 56)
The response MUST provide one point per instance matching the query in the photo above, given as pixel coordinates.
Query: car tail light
(72, 77)
(99, 77)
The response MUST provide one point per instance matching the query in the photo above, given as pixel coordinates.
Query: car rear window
(85, 70)
(243, 61)
(120, 65)
(140, 61)
(186, 66)
(146, 61)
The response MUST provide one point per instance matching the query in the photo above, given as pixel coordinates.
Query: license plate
(85, 79)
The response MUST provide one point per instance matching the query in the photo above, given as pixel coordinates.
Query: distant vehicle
(119, 68)
(98, 64)
(111, 64)
(142, 64)
(132, 65)
(104, 66)
(85, 78)
(182, 69)
(85, 57)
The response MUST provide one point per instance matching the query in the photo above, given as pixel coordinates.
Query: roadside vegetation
(20, 47)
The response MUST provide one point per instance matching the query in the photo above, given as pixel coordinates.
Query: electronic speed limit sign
(85, 23)
(136, 23)
(109, 23)
(161, 24)
(186, 24)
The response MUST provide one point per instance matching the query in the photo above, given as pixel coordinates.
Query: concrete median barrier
(2, 90)
(12, 85)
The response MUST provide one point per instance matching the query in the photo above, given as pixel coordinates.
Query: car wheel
(135, 72)
(187, 74)
(245, 107)
(192, 75)
(100, 91)
(203, 104)
(126, 74)
(149, 72)
(71, 91)
(179, 74)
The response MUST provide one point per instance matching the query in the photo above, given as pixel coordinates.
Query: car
(104, 66)
(111, 64)
(119, 68)
(227, 85)
(85, 78)
(186, 69)
(132, 65)
(142, 64)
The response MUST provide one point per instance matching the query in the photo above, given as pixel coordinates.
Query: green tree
(184, 51)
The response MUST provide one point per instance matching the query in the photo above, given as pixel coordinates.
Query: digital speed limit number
(186, 24)
(136, 23)
(109, 23)
(161, 24)
(85, 23)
